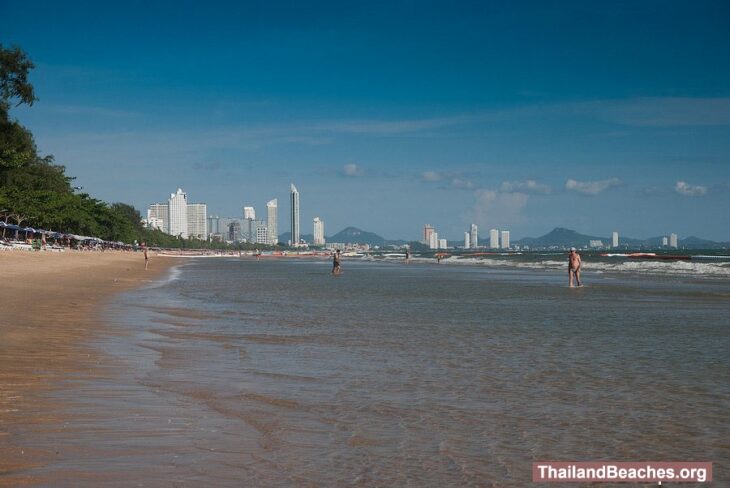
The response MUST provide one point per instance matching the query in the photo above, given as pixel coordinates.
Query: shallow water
(275, 373)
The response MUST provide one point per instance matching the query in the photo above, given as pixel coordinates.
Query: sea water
(239, 372)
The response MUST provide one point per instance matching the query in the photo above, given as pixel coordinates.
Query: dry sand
(48, 316)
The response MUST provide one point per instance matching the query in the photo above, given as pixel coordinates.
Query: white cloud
(684, 188)
(462, 183)
(527, 186)
(495, 209)
(352, 170)
(431, 176)
(591, 187)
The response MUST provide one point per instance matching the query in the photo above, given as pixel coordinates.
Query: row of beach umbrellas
(56, 235)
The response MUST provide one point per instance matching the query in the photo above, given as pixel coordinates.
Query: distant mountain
(561, 237)
(355, 235)
(349, 235)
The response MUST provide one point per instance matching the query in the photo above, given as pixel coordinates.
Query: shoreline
(50, 315)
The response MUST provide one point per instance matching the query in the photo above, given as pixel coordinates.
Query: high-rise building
(614, 239)
(665, 241)
(249, 213)
(294, 215)
(673, 240)
(157, 216)
(213, 225)
(494, 239)
(248, 230)
(443, 244)
(272, 211)
(318, 232)
(474, 238)
(433, 240)
(198, 220)
(178, 213)
(505, 239)
(427, 231)
(234, 230)
(262, 232)
(466, 240)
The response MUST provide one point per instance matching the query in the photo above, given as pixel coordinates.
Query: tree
(17, 147)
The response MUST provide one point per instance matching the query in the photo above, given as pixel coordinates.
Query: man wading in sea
(336, 263)
(573, 267)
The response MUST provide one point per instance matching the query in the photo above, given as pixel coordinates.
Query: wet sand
(49, 315)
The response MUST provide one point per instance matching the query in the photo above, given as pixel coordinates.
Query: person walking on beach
(336, 268)
(408, 256)
(146, 256)
(573, 267)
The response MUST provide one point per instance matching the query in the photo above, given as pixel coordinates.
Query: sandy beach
(48, 316)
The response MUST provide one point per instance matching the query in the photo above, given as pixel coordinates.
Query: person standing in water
(336, 269)
(408, 256)
(573, 267)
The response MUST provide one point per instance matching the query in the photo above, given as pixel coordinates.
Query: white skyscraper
(494, 239)
(673, 240)
(249, 213)
(294, 215)
(433, 240)
(614, 239)
(505, 239)
(318, 232)
(197, 215)
(157, 216)
(466, 240)
(474, 237)
(272, 217)
(443, 244)
(178, 214)
(665, 241)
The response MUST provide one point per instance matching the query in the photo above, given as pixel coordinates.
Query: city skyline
(611, 123)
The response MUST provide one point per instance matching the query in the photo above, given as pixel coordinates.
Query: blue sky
(597, 116)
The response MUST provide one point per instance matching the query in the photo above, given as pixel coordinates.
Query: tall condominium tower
(197, 220)
(318, 232)
(673, 240)
(294, 215)
(427, 231)
(272, 217)
(505, 239)
(494, 238)
(474, 238)
(262, 232)
(614, 239)
(249, 213)
(466, 240)
(158, 217)
(178, 213)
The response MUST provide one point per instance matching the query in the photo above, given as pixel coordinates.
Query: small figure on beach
(146, 256)
(573, 267)
(408, 256)
(258, 254)
(336, 268)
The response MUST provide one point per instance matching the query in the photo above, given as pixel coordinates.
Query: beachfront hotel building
(494, 239)
(505, 239)
(427, 231)
(614, 239)
(249, 213)
(673, 240)
(198, 220)
(665, 241)
(272, 217)
(262, 232)
(294, 215)
(318, 232)
(157, 215)
(178, 214)
(433, 240)
(474, 236)
(466, 240)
